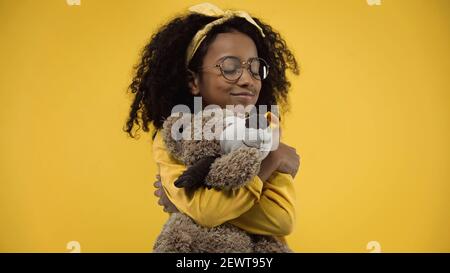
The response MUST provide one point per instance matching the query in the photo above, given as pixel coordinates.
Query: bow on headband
(208, 9)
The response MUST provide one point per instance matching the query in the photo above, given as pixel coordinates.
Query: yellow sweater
(265, 208)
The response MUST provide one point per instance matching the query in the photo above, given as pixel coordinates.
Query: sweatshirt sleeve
(274, 213)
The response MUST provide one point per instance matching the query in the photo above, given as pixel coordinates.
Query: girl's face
(213, 87)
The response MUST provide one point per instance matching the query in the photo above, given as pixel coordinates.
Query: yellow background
(369, 116)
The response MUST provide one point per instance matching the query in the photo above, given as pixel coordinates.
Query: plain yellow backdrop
(369, 116)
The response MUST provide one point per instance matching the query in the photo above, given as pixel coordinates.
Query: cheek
(214, 90)
(216, 86)
(258, 86)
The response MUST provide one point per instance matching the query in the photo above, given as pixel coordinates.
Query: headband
(208, 9)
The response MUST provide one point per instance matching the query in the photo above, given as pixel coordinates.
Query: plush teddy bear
(226, 159)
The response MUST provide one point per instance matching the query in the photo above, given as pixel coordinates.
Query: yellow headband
(213, 11)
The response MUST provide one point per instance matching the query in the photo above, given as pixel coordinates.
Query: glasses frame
(244, 64)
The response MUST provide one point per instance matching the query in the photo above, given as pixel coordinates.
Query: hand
(284, 159)
(163, 200)
(287, 158)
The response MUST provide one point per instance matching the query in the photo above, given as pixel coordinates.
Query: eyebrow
(226, 56)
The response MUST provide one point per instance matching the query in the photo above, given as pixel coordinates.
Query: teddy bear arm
(235, 169)
(194, 176)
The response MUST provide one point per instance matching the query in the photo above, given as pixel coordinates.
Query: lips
(245, 94)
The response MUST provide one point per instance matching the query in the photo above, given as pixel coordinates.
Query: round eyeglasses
(232, 67)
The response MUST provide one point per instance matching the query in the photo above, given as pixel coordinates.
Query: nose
(246, 78)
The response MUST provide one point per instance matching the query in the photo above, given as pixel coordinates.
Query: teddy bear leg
(176, 235)
(269, 244)
(225, 238)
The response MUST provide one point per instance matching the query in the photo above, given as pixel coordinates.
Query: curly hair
(161, 79)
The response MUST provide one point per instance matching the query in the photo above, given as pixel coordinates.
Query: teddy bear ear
(273, 120)
(257, 121)
(172, 133)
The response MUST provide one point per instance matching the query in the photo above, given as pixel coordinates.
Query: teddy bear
(225, 159)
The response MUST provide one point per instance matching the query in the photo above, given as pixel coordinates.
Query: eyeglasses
(232, 67)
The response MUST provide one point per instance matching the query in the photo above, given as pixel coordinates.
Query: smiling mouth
(245, 94)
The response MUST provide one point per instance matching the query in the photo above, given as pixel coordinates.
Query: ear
(193, 82)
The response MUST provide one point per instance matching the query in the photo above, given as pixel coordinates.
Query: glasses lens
(231, 68)
(259, 68)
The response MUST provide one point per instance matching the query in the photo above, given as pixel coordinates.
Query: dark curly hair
(161, 78)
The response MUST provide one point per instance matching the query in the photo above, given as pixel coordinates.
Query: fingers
(167, 204)
(297, 165)
(163, 200)
(157, 183)
(170, 208)
(158, 192)
(290, 165)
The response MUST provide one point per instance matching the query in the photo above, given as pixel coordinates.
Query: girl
(223, 57)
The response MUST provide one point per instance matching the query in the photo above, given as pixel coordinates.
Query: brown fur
(230, 171)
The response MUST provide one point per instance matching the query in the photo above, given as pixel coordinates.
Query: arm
(274, 214)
